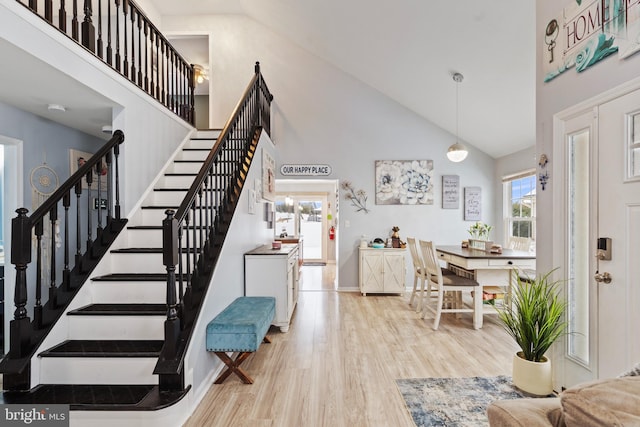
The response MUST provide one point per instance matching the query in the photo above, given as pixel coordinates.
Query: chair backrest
(415, 256)
(431, 264)
(519, 243)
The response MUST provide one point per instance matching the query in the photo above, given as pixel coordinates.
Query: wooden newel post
(170, 256)
(20, 328)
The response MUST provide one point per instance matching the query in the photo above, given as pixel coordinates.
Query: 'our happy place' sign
(305, 170)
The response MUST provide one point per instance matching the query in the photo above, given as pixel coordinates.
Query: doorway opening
(306, 209)
(194, 48)
(11, 197)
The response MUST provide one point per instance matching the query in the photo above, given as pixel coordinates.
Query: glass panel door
(578, 250)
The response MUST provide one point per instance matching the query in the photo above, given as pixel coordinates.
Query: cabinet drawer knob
(510, 262)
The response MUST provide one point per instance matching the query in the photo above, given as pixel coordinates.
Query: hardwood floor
(337, 364)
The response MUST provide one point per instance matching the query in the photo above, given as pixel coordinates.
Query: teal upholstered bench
(240, 327)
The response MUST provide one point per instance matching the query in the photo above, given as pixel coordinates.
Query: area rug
(454, 401)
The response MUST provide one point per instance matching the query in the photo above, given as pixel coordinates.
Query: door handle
(602, 277)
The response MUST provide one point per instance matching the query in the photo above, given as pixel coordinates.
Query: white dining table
(488, 269)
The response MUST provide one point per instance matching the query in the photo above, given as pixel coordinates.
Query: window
(520, 205)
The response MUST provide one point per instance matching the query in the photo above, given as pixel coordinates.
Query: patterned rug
(454, 401)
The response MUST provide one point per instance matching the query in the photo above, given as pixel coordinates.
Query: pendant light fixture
(457, 152)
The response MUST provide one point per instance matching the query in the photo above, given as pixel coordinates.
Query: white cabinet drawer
(521, 263)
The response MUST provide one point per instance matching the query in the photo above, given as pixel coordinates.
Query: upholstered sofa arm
(542, 412)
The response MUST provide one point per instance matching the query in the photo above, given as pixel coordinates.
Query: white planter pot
(532, 377)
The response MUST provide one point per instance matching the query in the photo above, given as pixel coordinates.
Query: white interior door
(619, 220)
(598, 208)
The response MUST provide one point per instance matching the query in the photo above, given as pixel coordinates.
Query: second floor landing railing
(118, 32)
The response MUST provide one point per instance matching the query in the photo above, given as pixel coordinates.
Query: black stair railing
(91, 199)
(193, 235)
(127, 41)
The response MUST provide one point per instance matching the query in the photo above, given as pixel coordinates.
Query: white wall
(566, 90)
(323, 115)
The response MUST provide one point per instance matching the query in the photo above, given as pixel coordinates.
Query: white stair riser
(156, 216)
(211, 133)
(182, 167)
(200, 143)
(176, 181)
(113, 327)
(98, 370)
(173, 197)
(193, 155)
(153, 238)
(140, 262)
(114, 292)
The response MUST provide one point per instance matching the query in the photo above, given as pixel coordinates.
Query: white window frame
(508, 219)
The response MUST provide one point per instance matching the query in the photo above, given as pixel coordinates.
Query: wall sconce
(543, 176)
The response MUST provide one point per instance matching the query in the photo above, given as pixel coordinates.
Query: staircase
(114, 329)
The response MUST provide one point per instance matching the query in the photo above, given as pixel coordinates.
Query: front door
(598, 216)
(619, 220)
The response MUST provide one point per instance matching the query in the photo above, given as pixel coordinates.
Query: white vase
(532, 377)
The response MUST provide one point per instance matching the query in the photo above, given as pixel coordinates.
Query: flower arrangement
(480, 231)
(358, 198)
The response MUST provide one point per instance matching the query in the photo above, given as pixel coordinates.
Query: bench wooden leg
(233, 366)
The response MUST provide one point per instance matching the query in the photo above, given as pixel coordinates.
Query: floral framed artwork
(404, 182)
(268, 177)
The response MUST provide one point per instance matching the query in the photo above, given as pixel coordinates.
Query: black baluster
(125, 66)
(132, 15)
(109, 48)
(89, 222)
(37, 309)
(116, 152)
(74, 21)
(99, 184)
(100, 43)
(33, 5)
(78, 191)
(139, 49)
(171, 80)
(200, 230)
(53, 291)
(109, 158)
(62, 17)
(157, 59)
(182, 297)
(88, 30)
(163, 73)
(66, 273)
(48, 11)
(118, 58)
(146, 60)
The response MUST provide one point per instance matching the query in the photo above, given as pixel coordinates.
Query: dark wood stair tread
(105, 348)
(97, 397)
(131, 277)
(121, 310)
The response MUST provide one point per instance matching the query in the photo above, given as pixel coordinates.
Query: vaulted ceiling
(409, 50)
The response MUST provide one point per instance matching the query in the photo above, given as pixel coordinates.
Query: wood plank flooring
(337, 364)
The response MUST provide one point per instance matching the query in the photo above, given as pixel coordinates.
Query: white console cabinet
(382, 271)
(274, 273)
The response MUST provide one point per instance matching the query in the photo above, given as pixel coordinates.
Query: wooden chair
(449, 283)
(419, 273)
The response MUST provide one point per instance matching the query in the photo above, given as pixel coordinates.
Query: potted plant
(479, 233)
(535, 319)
